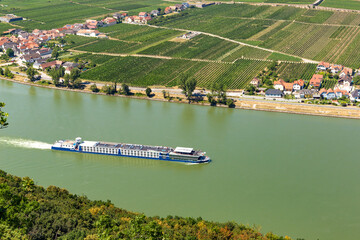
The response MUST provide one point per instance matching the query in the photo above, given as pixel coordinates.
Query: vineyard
(200, 47)
(148, 71)
(247, 52)
(347, 4)
(294, 71)
(329, 83)
(48, 15)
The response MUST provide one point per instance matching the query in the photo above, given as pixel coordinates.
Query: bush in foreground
(28, 211)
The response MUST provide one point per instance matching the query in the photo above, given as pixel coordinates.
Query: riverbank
(259, 105)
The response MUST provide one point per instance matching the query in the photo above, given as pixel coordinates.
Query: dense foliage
(28, 211)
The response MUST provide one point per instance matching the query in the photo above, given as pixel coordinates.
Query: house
(327, 94)
(298, 85)
(44, 52)
(53, 64)
(316, 80)
(346, 72)
(10, 18)
(335, 68)
(288, 87)
(255, 82)
(323, 66)
(341, 93)
(120, 16)
(70, 64)
(129, 19)
(154, 13)
(274, 93)
(344, 83)
(355, 96)
(279, 85)
(309, 93)
(179, 7)
(93, 24)
(88, 33)
(167, 10)
(143, 14)
(30, 58)
(109, 21)
(186, 5)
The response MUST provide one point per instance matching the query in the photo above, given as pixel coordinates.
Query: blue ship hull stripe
(120, 155)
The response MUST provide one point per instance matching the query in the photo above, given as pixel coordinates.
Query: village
(315, 89)
(30, 48)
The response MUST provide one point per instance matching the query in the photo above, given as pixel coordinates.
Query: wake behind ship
(179, 154)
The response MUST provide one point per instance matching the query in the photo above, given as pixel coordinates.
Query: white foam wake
(24, 143)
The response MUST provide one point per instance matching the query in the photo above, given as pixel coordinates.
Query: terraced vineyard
(149, 71)
(294, 71)
(200, 47)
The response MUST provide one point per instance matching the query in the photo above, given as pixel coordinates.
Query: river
(291, 174)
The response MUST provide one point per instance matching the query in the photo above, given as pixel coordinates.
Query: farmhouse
(30, 58)
(316, 80)
(52, 64)
(255, 82)
(298, 85)
(279, 85)
(154, 13)
(323, 66)
(88, 33)
(10, 18)
(109, 21)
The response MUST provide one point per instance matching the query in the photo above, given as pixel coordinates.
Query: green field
(142, 71)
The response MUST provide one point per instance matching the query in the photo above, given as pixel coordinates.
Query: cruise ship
(179, 154)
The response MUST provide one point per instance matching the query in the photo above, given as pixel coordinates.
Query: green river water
(291, 174)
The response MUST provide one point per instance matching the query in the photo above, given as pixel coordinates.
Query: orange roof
(288, 86)
(300, 82)
(325, 64)
(280, 82)
(316, 79)
(323, 90)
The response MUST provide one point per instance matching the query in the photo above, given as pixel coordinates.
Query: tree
(187, 85)
(55, 76)
(30, 72)
(8, 73)
(148, 92)
(3, 117)
(74, 74)
(10, 52)
(55, 54)
(1, 71)
(67, 80)
(94, 88)
(125, 89)
(190, 87)
(219, 90)
(230, 103)
(77, 83)
(109, 90)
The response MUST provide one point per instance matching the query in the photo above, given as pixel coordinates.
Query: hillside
(29, 211)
